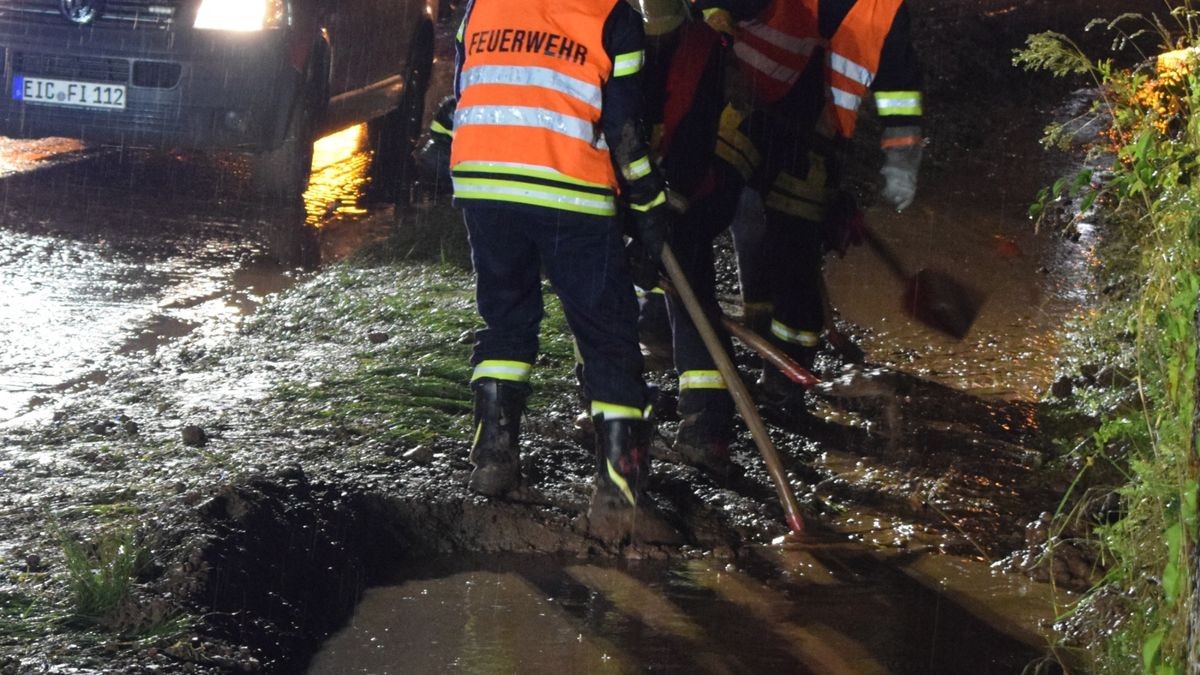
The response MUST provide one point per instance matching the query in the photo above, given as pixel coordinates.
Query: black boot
(706, 431)
(494, 451)
(620, 508)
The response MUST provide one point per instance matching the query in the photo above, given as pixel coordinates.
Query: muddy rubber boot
(706, 431)
(776, 390)
(494, 452)
(620, 509)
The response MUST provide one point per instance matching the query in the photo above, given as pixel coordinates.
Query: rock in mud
(378, 337)
(194, 436)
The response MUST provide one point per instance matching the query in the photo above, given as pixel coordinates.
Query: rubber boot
(706, 431)
(620, 509)
(494, 452)
(779, 392)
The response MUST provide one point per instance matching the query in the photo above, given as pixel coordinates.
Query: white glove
(900, 176)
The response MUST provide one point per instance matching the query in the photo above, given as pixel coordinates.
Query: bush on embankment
(1148, 197)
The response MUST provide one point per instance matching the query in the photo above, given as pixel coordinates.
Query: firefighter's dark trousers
(584, 260)
(795, 177)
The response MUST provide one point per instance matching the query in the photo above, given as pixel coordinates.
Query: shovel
(737, 389)
(934, 298)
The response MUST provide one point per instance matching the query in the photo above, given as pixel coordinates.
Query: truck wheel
(393, 137)
(281, 175)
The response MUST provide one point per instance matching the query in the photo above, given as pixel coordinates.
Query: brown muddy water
(547, 615)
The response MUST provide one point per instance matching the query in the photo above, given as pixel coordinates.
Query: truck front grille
(67, 67)
(129, 14)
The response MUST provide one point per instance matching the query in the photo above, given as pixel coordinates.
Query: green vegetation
(100, 575)
(413, 387)
(1148, 196)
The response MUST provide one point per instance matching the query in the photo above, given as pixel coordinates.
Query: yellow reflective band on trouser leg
(804, 338)
(478, 433)
(621, 483)
(612, 411)
(508, 371)
(701, 379)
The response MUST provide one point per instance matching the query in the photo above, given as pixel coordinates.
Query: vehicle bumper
(184, 88)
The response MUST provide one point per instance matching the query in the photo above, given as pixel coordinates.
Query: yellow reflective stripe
(462, 27)
(439, 128)
(701, 379)
(621, 483)
(813, 188)
(898, 103)
(782, 203)
(612, 411)
(535, 195)
(804, 338)
(738, 142)
(509, 371)
(478, 433)
(735, 159)
(660, 199)
(531, 170)
(641, 292)
(636, 169)
(628, 63)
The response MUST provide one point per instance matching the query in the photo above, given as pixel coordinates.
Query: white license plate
(68, 93)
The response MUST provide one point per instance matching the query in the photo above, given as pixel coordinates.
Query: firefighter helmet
(661, 16)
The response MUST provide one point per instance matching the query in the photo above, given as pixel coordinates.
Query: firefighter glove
(650, 227)
(900, 175)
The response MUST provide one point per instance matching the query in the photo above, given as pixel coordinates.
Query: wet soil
(261, 515)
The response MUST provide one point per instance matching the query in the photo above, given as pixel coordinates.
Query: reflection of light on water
(339, 175)
(20, 155)
(338, 146)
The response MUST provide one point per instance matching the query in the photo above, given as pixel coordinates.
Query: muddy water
(105, 253)
(848, 615)
(972, 223)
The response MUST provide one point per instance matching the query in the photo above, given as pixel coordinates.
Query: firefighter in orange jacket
(547, 147)
(806, 66)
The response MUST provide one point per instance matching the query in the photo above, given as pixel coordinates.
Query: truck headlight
(241, 15)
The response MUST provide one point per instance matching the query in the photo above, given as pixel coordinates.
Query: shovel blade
(940, 301)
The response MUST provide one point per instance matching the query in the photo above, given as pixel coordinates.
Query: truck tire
(393, 137)
(281, 174)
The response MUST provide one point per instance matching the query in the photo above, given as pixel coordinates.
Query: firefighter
(805, 66)
(547, 134)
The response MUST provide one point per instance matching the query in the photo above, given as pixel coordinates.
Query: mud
(258, 542)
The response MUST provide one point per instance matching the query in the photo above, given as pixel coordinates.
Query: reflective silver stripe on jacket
(791, 43)
(522, 116)
(764, 64)
(844, 99)
(535, 77)
(851, 69)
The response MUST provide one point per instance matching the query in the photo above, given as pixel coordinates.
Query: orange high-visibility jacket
(853, 61)
(775, 46)
(527, 126)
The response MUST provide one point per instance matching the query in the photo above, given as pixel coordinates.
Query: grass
(413, 388)
(100, 574)
(1144, 446)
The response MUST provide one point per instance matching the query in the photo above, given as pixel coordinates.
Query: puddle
(850, 614)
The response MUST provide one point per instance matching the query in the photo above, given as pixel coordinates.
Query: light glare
(237, 15)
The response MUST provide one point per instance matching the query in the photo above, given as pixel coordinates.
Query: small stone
(131, 427)
(33, 563)
(1063, 387)
(378, 337)
(194, 436)
(422, 454)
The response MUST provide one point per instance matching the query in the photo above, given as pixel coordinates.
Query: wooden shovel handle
(886, 254)
(737, 388)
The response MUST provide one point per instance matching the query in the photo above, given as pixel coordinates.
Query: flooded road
(105, 253)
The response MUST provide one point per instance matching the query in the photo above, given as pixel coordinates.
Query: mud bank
(261, 480)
